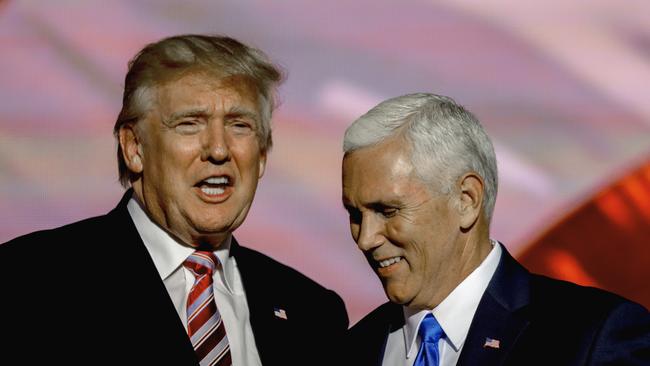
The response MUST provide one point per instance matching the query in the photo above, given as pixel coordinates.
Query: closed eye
(241, 127)
(384, 210)
(241, 124)
(188, 127)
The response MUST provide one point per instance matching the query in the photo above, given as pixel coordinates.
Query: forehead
(384, 158)
(200, 89)
(379, 172)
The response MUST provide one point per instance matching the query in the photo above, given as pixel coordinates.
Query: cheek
(410, 238)
(171, 171)
(248, 156)
(398, 231)
(180, 155)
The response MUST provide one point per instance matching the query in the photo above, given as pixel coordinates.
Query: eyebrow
(238, 111)
(374, 205)
(192, 112)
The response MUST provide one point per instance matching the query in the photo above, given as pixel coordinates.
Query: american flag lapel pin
(280, 313)
(491, 343)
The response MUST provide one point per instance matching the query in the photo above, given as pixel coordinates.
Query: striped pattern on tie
(204, 324)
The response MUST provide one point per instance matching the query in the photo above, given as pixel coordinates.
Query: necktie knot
(201, 262)
(430, 330)
(430, 333)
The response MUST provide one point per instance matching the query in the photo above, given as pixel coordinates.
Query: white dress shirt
(168, 255)
(454, 313)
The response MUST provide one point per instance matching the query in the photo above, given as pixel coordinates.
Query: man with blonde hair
(161, 280)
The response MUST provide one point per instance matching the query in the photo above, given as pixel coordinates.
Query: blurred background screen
(562, 86)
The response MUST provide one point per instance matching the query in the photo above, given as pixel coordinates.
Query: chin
(211, 223)
(397, 297)
(211, 230)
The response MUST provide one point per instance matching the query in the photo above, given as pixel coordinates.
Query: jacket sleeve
(624, 338)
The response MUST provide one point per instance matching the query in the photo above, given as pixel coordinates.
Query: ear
(262, 164)
(471, 199)
(131, 148)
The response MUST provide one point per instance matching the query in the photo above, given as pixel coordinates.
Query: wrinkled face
(409, 234)
(199, 156)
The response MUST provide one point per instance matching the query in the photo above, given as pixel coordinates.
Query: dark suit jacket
(89, 293)
(538, 321)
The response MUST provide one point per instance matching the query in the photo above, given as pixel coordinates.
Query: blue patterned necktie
(430, 333)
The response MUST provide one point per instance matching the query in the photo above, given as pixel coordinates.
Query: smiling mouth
(214, 186)
(388, 262)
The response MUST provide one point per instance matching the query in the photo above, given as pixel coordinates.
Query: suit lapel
(368, 338)
(395, 314)
(290, 315)
(268, 329)
(500, 316)
(148, 305)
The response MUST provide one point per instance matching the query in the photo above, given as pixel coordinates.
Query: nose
(215, 144)
(370, 233)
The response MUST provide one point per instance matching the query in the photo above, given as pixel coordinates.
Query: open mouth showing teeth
(389, 261)
(214, 185)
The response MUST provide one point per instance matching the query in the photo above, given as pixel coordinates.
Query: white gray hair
(446, 140)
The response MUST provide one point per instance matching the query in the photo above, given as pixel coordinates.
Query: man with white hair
(419, 184)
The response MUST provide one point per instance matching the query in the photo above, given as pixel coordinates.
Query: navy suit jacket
(89, 293)
(537, 320)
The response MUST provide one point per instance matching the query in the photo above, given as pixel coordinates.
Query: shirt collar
(168, 253)
(456, 311)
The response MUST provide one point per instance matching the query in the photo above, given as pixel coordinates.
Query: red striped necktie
(204, 324)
